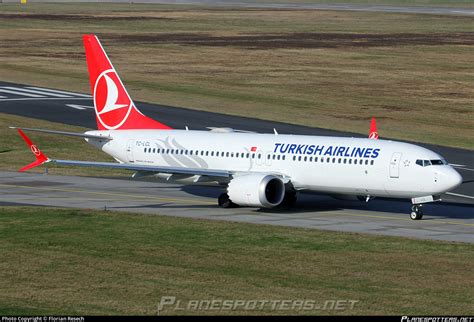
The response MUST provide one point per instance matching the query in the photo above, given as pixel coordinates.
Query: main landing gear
(416, 212)
(224, 201)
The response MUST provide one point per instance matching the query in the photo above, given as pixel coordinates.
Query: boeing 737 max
(258, 170)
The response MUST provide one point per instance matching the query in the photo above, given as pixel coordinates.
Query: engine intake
(256, 190)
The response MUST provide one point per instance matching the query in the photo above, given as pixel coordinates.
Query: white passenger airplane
(257, 170)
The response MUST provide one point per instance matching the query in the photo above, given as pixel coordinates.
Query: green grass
(14, 154)
(66, 261)
(416, 81)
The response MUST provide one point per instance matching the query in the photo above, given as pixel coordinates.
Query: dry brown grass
(14, 154)
(324, 69)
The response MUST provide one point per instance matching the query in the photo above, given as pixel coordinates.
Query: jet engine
(257, 190)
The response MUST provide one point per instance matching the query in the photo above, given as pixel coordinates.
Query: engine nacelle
(256, 190)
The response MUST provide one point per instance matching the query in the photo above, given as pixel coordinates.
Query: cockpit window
(437, 162)
(425, 163)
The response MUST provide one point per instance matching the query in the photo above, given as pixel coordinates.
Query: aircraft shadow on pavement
(318, 203)
(164, 205)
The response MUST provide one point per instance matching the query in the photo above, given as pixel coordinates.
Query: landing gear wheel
(224, 201)
(416, 212)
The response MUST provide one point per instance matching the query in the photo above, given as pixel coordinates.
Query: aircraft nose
(453, 179)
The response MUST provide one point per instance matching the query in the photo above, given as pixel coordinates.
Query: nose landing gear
(416, 212)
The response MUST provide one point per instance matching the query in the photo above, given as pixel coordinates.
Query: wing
(146, 168)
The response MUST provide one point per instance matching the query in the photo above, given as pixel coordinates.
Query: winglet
(40, 157)
(373, 130)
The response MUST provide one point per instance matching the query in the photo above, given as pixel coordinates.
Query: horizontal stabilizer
(81, 135)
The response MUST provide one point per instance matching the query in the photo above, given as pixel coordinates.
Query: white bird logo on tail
(112, 96)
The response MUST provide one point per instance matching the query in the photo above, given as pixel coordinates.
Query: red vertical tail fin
(373, 134)
(114, 108)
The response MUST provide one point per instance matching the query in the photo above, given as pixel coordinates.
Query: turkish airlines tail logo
(112, 96)
(114, 108)
(373, 130)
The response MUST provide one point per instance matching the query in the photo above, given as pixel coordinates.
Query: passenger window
(305, 159)
(366, 162)
(283, 157)
(248, 155)
(372, 162)
(339, 161)
(310, 159)
(316, 159)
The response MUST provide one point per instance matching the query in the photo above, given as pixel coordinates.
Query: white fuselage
(334, 165)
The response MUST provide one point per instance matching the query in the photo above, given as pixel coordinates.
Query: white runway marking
(79, 107)
(42, 99)
(9, 91)
(60, 92)
(459, 195)
(34, 91)
(460, 168)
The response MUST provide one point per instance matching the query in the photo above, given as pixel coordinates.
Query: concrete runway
(451, 220)
(443, 221)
